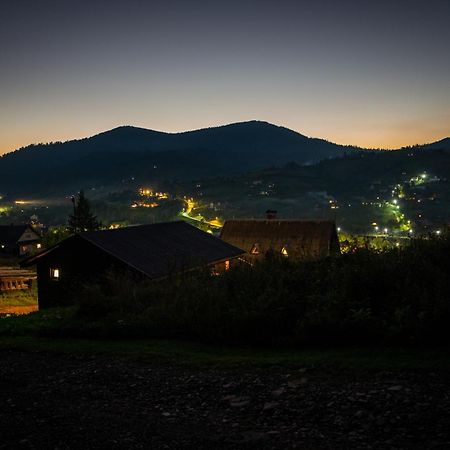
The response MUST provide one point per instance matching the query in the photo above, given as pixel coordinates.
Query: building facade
(19, 240)
(294, 239)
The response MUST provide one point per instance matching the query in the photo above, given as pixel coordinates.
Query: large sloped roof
(10, 234)
(301, 239)
(158, 249)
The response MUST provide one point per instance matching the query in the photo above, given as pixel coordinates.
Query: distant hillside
(147, 155)
(359, 184)
(443, 144)
(135, 152)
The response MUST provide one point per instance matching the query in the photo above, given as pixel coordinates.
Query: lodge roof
(10, 234)
(155, 250)
(301, 239)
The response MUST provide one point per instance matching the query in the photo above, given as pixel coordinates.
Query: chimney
(271, 214)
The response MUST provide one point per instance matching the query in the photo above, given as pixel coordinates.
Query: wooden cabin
(144, 252)
(19, 240)
(294, 239)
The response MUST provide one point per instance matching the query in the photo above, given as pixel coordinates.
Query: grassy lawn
(36, 332)
(26, 297)
(192, 353)
(28, 333)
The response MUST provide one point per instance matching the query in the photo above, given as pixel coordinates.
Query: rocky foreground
(54, 401)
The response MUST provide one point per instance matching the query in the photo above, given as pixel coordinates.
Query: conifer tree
(82, 218)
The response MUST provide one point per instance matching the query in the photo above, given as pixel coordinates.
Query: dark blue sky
(372, 73)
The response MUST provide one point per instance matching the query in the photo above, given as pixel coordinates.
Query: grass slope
(192, 353)
(25, 333)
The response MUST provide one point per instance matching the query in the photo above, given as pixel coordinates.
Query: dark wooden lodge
(144, 252)
(294, 239)
(19, 240)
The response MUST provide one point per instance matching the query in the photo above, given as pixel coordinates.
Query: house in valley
(143, 252)
(19, 240)
(293, 239)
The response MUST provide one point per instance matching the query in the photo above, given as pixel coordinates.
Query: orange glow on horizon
(378, 137)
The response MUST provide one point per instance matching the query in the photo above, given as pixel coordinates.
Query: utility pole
(72, 198)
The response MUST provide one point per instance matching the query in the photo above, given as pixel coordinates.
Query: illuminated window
(255, 249)
(24, 249)
(54, 274)
(227, 265)
(284, 251)
(38, 245)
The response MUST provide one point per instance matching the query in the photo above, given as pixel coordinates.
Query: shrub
(395, 296)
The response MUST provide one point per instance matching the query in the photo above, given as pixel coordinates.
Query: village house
(293, 239)
(19, 240)
(143, 252)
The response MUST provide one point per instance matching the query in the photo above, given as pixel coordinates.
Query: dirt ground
(4, 310)
(57, 401)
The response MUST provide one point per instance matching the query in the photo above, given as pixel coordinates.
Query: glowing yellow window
(227, 265)
(54, 274)
(255, 249)
(284, 251)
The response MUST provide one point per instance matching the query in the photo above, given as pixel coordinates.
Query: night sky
(371, 73)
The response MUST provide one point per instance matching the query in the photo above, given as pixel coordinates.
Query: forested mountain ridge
(126, 152)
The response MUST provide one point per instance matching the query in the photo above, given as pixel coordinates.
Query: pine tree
(82, 219)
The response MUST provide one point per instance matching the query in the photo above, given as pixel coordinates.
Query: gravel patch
(56, 401)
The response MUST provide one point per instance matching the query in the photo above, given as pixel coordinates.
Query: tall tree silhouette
(82, 218)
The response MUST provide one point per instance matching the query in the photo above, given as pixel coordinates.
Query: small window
(255, 249)
(38, 245)
(227, 265)
(284, 251)
(54, 274)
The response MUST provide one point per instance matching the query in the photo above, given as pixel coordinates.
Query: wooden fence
(12, 278)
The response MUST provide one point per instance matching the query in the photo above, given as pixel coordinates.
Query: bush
(397, 296)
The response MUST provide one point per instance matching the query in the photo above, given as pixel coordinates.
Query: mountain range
(129, 152)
